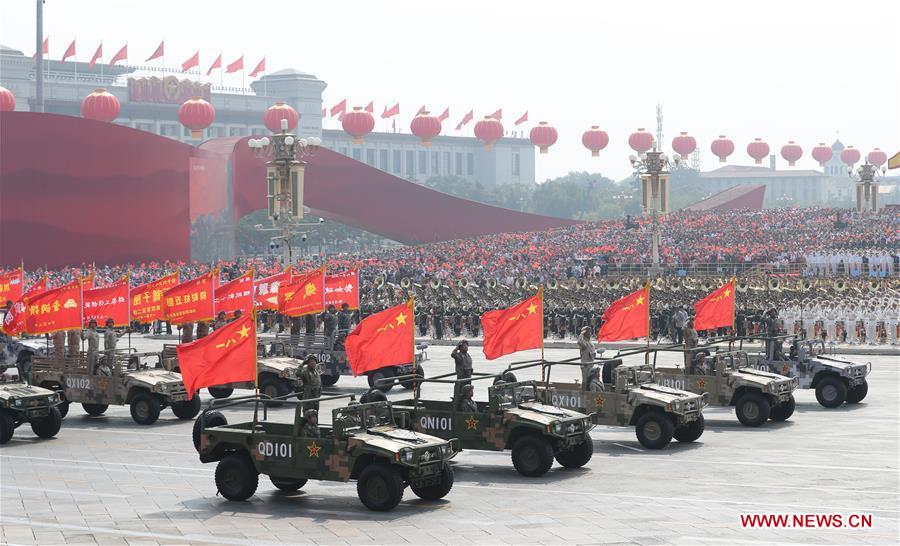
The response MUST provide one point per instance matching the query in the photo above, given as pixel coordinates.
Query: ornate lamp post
(866, 187)
(284, 180)
(653, 169)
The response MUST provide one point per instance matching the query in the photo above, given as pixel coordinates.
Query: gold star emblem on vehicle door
(701, 383)
(471, 423)
(600, 401)
(314, 449)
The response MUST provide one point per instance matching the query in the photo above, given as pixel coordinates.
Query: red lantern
(358, 123)
(595, 140)
(196, 114)
(277, 112)
(7, 100)
(543, 136)
(877, 157)
(488, 130)
(850, 156)
(791, 152)
(640, 141)
(722, 148)
(684, 145)
(100, 105)
(758, 150)
(425, 126)
(822, 154)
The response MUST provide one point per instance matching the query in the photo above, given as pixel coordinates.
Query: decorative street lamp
(653, 169)
(284, 180)
(866, 186)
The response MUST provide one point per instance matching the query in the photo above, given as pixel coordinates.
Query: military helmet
(311, 412)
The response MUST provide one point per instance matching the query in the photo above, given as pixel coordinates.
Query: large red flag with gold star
(716, 310)
(516, 328)
(227, 355)
(628, 317)
(382, 339)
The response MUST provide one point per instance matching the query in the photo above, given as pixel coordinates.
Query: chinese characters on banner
(267, 289)
(342, 288)
(147, 299)
(235, 295)
(14, 321)
(190, 301)
(304, 295)
(11, 285)
(107, 302)
(54, 310)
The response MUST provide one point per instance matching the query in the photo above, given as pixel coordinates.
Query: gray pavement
(107, 480)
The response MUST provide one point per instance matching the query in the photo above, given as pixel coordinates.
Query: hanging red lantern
(850, 156)
(822, 154)
(7, 100)
(877, 157)
(489, 130)
(684, 144)
(758, 150)
(791, 152)
(425, 126)
(722, 147)
(277, 112)
(595, 140)
(640, 141)
(101, 105)
(196, 114)
(543, 136)
(358, 123)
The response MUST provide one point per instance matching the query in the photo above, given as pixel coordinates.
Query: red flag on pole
(11, 285)
(304, 295)
(382, 339)
(70, 51)
(498, 115)
(160, 51)
(260, 68)
(122, 55)
(466, 119)
(370, 108)
(446, 114)
(97, 55)
(716, 310)
(227, 355)
(522, 119)
(54, 310)
(107, 302)
(190, 301)
(392, 111)
(339, 108)
(216, 64)
(236, 295)
(628, 317)
(14, 321)
(147, 299)
(45, 48)
(516, 328)
(267, 289)
(192, 62)
(236, 65)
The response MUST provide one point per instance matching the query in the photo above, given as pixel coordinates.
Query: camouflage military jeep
(129, 380)
(630, 397)
(514, 418)
(362, 443)
(756, 395)
(21, 403)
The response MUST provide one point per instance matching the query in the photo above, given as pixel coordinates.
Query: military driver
(466, 404)
(312, 381)
(594, 383)
(311, 427)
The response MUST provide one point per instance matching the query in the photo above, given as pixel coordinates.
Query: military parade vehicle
(631, 397)
(835, 380)
(514, 418)
(21, 403)
(363, 443)
(16, 354)
(129, 380)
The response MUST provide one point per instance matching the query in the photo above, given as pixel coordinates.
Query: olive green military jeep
(363, 443)
(21, 403)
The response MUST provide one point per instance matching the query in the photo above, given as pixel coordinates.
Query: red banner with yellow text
(342, 288)
(190, 301)
(235, 295)
(147, 299)
(54, 310)
(267, 289)
(304, 295)
(107, 302)
(14, 321)
(11, 285)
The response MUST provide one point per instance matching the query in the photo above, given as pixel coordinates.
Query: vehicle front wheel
(532, 456)
(208, 420)
(187, 409)
(95, 409)
(438, 490)
(378, 375)
(654, 430)
(831, 392)
(784, 410)
(287, 484)
(857, 393)
(330, 379)
(691, 431)
(274, 387)
(578, 456)
(48, 427)
(420, 374)
(220, 392)
(380, 487)
(145, 408)
(7, 427)
(236, 477)
(753, 409)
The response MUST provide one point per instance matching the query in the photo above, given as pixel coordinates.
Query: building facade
(784, 188)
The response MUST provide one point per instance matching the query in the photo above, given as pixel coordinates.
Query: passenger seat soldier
(466, 404)
(463, 361)
(588, 352)
(93, 342)
(594, 384)
(312, 381)
(311, 427)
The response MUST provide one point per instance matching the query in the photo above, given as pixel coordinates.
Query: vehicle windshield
(513, 395)
(357, 417)
(638, 375)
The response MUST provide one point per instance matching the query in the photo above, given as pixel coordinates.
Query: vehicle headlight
(408, 456)
(163, 387)
(52, 398)
(558, 428)
(677, 405)
(19, 403)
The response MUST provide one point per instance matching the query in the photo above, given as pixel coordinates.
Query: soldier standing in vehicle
(220, 320)
(690, 342)
(93, 342)
(310, 329)
(59, 345)
(466, 404)
(202, 329)
(312, 381)
(588, 352)
(463, 362)
(678, 320)
(330, 326)
(110, 340)
(73, 342)
(187, 332)
(311, 427)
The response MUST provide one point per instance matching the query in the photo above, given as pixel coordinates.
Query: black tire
(236, 477)
(578, 456)
(220, 392)
(48, 427)
(373, 395)
(420, 374)
(274, 387)
(691, 431)
(506, 377)
(330, 380)
(753, 409)
(532, 455)
(831, 392)
(783, 411)
(654, 430)
(857, 393)
(63, 408)
(145, 408)
(188, 409)
(383, 373)
(438, 490)
(287, 484)
(95, 409)
(380, 487)
(7, 427)
(211, 419)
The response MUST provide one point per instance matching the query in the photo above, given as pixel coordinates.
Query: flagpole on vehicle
(541, 318)
(647, 354)
(412, 318)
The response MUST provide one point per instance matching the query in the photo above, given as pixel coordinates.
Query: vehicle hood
(280, 363)
(155, 376)
(837, 363)
(664, 394)
(542, 413)
(758, 377)
(392, 438)
(21, 390)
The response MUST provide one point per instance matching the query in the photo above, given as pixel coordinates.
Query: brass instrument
(581, 284)
(521, 282)
(463, 283)
(434, 284)
(873, 286)
(840, 285)
(405, 282)
(742, 287)
(774, 284)
(379, 281)
(806, 285)
(491, 283)
(552, 284)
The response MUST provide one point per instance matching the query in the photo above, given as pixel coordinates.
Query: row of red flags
(340, 109)
(41, 309)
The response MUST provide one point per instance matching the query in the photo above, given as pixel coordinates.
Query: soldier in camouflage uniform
(59, 345)
(73, 342)
(587, 352)
(93, 339)
(110, 340)
(463, 362)
(466, 404)
(312, 381)
(311, 427)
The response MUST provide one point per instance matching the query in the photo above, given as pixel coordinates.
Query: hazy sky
(806, 71)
